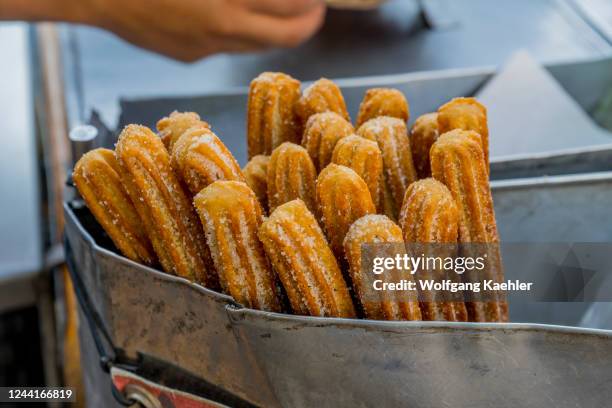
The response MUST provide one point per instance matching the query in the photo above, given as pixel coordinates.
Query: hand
(191, 29)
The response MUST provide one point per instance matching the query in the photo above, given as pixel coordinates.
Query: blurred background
(54, 77)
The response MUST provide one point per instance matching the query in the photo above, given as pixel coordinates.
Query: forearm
(76, 11)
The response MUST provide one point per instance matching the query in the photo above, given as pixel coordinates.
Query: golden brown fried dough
(271, 118)
(172, 127)
(304, 262)
(164, 207)
(379, 305)
(422, 136)
(97, 177)
(322, 132)
(364, 157)
(291, 175)
(457, 160)
(256, 174)
(383, 102)
(343, 197)
(429, 215)
(231, 216)
(322, 96)
(392, 138)
(200, 158)
(466, 114)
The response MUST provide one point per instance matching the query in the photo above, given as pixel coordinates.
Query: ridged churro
(429, 215)
(304, 262)
(173, 126)
(256, 175)
(364, 157)
(200, 158)
(392, 138)
(343, 197)
(97, 177)
(457, 160)
(271, 113)
(466, 114)
(379, 305)
(322, 132)
(168, 216)
(291, 175)
(383, 102)
(231, 216)
(322, 96)
(423, 134)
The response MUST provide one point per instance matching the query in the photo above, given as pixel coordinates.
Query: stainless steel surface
(20, 214)
(574, 161)
(102, 69)
(586, 81)
(282, 360)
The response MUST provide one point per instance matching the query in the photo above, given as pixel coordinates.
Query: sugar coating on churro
(321, 133)
(342, 198)
(391, 135)
(291, 175)
(164, 207)
(466, 114)
(457, 160)
(171, 127)
(231, 216)
(200, 158)
(304, 262)
(429, 215)
(383, 102)
(379, 305)
(97, 178)
(271, 113)
(321, 96)
(364, 157)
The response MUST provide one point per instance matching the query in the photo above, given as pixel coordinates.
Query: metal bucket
(271, 359)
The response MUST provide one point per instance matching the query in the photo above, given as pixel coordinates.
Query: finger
(282, 7)
(279, 31)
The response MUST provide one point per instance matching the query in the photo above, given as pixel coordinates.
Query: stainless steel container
(282, 360)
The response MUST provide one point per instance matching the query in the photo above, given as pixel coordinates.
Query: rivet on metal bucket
(82, 139)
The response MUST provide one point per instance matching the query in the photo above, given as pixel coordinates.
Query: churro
(364, 157)
(304, 262)
(457, 160)
(231, 216)
(97, 177)
(429, 215)
(466, 114)
(167, 213)
(342, 197)
(173, 126)
(379, 305)
(321, 96)
(383, 102)
(200, 158)
(322, 132)
(291, 175)
(271, 118)
(392, 138)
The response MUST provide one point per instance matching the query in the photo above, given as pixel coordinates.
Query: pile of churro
(285, 233)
